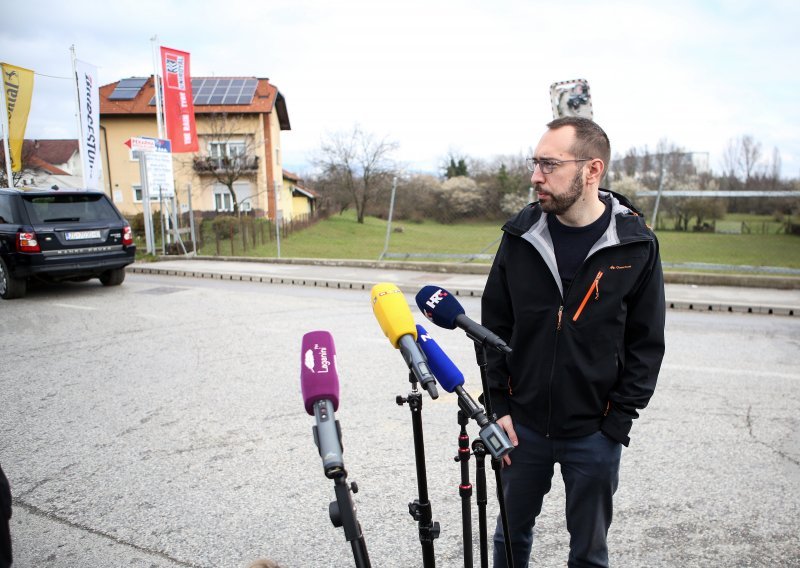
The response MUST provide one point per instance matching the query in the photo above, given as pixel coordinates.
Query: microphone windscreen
(318, 378)
(392, 312)
(439, 306)
(442, 367)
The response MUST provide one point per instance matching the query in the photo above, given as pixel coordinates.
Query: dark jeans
(590, 469)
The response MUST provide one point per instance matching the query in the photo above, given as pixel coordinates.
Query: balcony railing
(210, 164)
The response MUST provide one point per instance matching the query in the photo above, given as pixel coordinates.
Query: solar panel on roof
(127, 89)
(132, 82)
(214, 91)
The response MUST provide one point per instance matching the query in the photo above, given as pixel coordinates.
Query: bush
(223, 224)
(137, 223)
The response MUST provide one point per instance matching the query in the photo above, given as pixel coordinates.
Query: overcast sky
(440, 76)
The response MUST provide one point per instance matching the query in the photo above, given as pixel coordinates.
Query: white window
(222, 200)
(244, 196)
(220, 150)
(137, 194)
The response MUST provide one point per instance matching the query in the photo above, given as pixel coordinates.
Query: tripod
(420, 509)
(480, 355)
(343, 514)
(479, 450)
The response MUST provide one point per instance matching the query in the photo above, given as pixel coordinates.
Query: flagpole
(6, 129)
(81, 142)
(156, 85)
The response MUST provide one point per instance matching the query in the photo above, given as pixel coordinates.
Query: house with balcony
(239, 123)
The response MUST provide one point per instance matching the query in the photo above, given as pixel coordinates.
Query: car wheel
(113, 277)
(11, 287)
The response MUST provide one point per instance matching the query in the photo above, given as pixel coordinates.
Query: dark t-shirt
(572, 244)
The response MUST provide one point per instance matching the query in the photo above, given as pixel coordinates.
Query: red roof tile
(51, 151)
(266, 98)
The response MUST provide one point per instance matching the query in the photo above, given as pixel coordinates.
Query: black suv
(61, 235)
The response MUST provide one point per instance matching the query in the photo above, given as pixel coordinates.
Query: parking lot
(160, 423)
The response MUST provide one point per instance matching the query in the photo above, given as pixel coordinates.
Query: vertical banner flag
(89, 103)
(178, 103)
(18, 87)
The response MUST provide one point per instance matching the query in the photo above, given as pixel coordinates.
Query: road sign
(145, 144)
(160, 181)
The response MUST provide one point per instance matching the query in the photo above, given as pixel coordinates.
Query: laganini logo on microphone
(437, 297)
(316, 359)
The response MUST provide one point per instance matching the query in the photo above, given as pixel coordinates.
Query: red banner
(178, 103)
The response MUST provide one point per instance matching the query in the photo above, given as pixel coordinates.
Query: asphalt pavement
(778, 296)
(163, 426)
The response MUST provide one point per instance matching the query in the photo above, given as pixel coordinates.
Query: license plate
(81, 235)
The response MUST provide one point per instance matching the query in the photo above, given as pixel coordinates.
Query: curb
(464, 291)
(670, 277)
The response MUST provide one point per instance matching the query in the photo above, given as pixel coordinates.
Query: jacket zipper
(595, 287)
(552, 372)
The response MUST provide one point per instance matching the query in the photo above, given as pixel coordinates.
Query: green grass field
(341, 236)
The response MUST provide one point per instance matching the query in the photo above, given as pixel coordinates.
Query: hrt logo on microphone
(316, 355)
(437, 297)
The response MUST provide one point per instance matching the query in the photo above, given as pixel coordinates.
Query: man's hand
(506, 424)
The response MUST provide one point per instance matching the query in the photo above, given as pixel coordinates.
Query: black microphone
(320, 387)
(452, 380)
(442, 308)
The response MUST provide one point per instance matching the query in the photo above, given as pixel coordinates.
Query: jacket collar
(626, 225)
(627, 222)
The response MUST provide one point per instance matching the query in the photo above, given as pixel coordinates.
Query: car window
(68, 208)
(6, 210)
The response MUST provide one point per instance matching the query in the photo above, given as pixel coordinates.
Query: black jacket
(586, 358)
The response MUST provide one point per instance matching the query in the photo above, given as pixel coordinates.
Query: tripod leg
(480, 482)
(465, 487)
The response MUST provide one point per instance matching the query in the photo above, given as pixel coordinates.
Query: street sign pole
(148, 217)
(157, 152)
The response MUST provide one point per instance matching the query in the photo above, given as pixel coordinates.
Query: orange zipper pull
(595, 287)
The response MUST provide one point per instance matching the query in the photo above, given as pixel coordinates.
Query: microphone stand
(479, 449)
(480, 355)
(343, 514)
(420, 509)
(465, 487)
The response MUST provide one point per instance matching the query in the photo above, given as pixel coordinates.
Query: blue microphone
(447, 374)
(452, 380)
(442, 308)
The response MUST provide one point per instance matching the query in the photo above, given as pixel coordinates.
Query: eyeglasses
(547, 166)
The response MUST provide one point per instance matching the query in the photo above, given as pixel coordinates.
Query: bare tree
(28, 170)
(741, 158)
(231, 152)
(358, 163)
(749, 157)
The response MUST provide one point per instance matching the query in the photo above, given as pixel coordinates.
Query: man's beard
(560, 204)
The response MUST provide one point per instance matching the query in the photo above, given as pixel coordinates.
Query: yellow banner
(18, 86)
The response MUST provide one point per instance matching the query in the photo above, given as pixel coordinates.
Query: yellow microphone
(394, 316)
(392, 312)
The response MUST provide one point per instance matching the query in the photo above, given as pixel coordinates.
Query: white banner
(89, 103)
